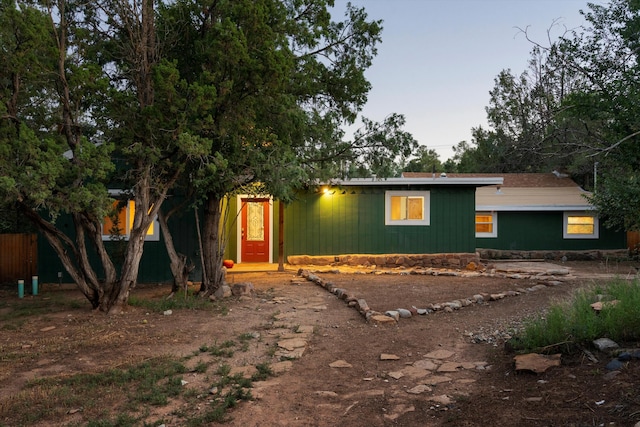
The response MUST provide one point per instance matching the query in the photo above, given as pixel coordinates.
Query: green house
(416, 215)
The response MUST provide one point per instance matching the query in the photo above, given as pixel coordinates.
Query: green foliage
(574, 110)
(264, 372)
(426, 160)
(573, 325)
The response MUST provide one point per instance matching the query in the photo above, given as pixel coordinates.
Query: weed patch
(569, 326)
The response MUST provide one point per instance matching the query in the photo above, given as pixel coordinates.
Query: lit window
(407, 208)
(486, 224)
(580, 225)
(120, 222)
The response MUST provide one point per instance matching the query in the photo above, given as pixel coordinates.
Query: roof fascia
(476, 182)
(538, 208)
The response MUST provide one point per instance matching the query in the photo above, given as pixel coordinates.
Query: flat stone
(419, 389)
(325, 393)
(416, 373)
(396, 375)
(468, 365)
(382, 319)
(437, 379)
(537, 363)
(398, 411)
(443, 399)
(425, 364)
(291, 354)
(340, 364)
(449, 367)
(386, 356)
(439, 354)
(305, 329)
(558, 272)
(292, 343)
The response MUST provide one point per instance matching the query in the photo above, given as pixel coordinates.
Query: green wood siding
(531, 231)
(352, 220)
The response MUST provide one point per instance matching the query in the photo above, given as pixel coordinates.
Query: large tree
(49, 164)
(278, 80)
(601, 117)
(85, 87)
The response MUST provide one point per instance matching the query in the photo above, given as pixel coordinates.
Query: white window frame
(155, 237)
(494, 222)
(425, 208)
(565, 224)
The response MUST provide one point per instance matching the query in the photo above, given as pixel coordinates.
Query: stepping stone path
(434, 377)
(418, 377)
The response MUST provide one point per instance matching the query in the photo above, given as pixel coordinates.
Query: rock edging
(544, 279)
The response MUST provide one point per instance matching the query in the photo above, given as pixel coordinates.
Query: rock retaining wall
(469, 261)
(555, 255)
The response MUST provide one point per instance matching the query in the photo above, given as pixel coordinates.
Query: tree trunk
(116, 300)
(213, 245)
(179, 263)
(72, 255)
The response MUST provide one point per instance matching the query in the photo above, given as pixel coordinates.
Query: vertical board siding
(531, 231)
(19, 259)
(352, 220)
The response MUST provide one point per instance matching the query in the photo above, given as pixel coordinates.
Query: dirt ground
(438, 369)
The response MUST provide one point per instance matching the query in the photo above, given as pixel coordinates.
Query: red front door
(255, 230)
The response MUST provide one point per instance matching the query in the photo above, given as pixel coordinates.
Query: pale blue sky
(438, 58)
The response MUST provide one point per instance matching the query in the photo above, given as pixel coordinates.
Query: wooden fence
(18, 257)
(633, 240)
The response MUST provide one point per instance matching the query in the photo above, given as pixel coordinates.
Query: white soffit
(532, 199)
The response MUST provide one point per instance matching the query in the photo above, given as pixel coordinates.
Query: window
(486, 224)
(121, 221)
(407, 208)
(580, 225)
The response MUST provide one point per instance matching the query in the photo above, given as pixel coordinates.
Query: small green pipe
(34, 285)
(20, 288)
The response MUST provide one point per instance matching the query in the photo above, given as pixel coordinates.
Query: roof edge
(477, 182)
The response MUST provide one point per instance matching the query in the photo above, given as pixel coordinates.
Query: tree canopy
(574, 110)
(197, 97)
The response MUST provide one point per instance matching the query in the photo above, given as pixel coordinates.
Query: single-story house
(538, 212)
(449, 218)
(426, 215)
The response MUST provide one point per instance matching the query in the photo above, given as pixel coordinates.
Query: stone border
(469, 261)
(544, 280)
(554, 255)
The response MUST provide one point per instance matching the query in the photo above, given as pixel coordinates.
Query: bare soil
(457, 360)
